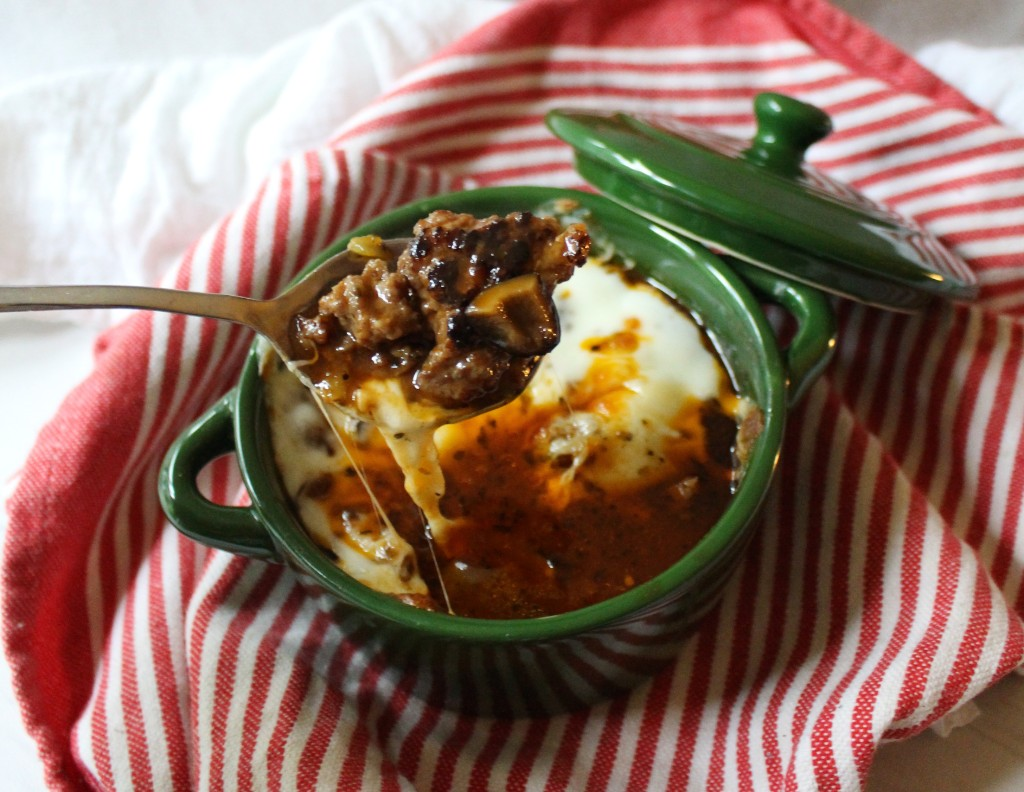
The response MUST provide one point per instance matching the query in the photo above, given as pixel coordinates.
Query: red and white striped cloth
(884, 590)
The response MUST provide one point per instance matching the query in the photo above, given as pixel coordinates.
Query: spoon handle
(54, 298)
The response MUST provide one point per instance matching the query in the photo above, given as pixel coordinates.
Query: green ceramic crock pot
(555, 663)
(785, 233)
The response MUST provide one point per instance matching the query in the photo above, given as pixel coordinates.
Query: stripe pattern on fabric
(883, 590)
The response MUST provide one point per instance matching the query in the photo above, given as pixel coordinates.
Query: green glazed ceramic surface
(758, 201)
(545, 659)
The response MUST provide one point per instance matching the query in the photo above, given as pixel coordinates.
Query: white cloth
(990, 76)
(109, 174)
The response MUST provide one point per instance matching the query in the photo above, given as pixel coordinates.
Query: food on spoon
(619, 455)
(456, 323)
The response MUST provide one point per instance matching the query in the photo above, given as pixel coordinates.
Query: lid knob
(786, 128)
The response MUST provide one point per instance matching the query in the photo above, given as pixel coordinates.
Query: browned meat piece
(454, 376)
(375, 307)
(456, 256)
(460, 316)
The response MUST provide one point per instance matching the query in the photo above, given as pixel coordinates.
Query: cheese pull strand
(416, 454)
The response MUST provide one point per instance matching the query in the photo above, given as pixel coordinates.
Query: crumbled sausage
(374, 307)
(454, 315)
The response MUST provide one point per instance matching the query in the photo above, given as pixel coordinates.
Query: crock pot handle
(236, 529)
(811, 347)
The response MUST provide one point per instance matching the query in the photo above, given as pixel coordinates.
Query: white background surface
(42, 360)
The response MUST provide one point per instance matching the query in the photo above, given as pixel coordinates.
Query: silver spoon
(270, 318)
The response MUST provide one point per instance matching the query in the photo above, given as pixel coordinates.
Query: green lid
(760, 202)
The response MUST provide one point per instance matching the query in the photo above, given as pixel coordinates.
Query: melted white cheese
(597, 303)
(622, 440)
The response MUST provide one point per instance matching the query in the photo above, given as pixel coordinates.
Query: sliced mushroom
(516, 315)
